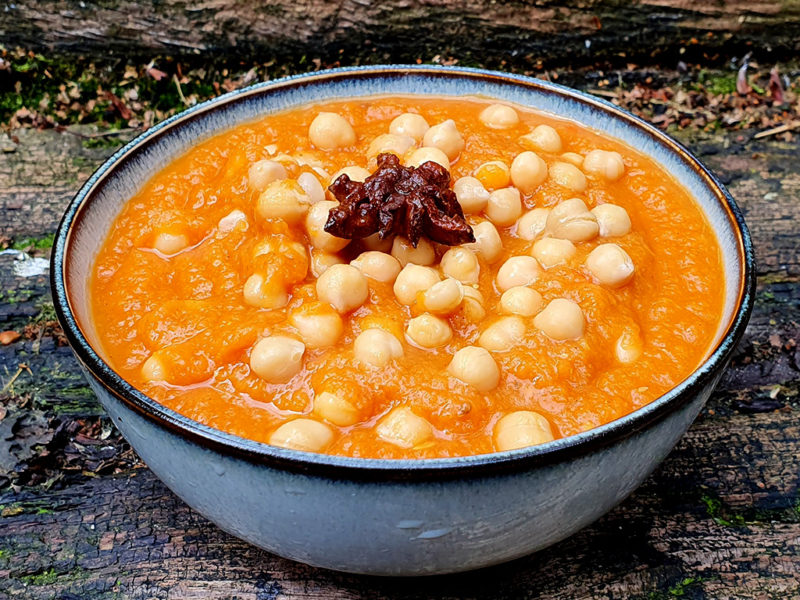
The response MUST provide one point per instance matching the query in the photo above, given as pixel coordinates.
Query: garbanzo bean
(475, 366)
(232, 220)
(532, 223)
(263, 293)
(573, 158)
(473, 304)
(374, 242)
(561, 319)
(571, 220)
(544, 138)
(315, 223)
(263, 172)
(443, 297)
(403, 251)
(487, 244)
(471, 194)
(321, 261)
(377, 347)
(283, 199)
(568, 176)
(412, 280)
(503, 334)
(428, 331)
(335, 409)
(329, 131)
(311, 186)
(462, 264)
(499, 116)
(528, 171)
(390, 143)
(521, 300)
(629, 346)
(553, 251)
(354, 172)
(521, 429)
(169, 243)
(601, 163)
(613, 220)
(153, 369)
(302, 434)
(343, 287)
(277, 358)
(377, 265)
(410, 124)
(517, 270)
(446, 137)
(504, 206)
(317, 323)
(610, 265)
(423, 155)
(403, 428)
(493, 175)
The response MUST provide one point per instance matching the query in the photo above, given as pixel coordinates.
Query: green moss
(30, 243)
(48, 577)
(679, 589)
(720, 513)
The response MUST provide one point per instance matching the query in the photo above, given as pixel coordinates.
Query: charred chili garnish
(398, 200)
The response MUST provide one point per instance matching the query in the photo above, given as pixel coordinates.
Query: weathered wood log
(406, 29)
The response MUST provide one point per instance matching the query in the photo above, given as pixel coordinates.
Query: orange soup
(594, 283)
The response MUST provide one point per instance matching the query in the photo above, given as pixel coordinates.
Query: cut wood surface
(548, 30)
(720, 518)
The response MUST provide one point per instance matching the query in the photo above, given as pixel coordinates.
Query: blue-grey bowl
(400, 517)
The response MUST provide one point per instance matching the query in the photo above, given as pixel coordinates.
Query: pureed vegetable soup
(593, 285)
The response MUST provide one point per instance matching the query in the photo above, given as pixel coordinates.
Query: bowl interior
(88, 219)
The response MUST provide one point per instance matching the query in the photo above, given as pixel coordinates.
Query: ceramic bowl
(402, 517)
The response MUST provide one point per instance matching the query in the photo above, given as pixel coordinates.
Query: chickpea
(335, 409)
(410, 124)
(321, 261)
(517, 270)
(423, 155)
(605, 164)
(428, 331)
(318, 324)
(568, 175)
(571, 220)
(532, 223)
(610, 265)
(374, 242)
(232, 220)
(521, 300)
(263, 293)
(263, 172)
(613, 220)
(311, 186)
(446, 137)
(560, 320)
(471, 194)
(412, 280)
(504, 207)
(487, 244)
(553, 251)
(153, 369)
(499, 116)
(403, 428)
(462, 264)
(315, 226)
(473, 304)
(521, 429)
(423, 254)
(354, 172)
(343, 287)
(475, 366)
(493, 175)
(629, 346)
(377, 265)
(390, 143)
(277, 358)
(503, 334)
(528, 171)
(283, 199)
(168, 243)
(544, 138)
(329, 131)
(572, 158)
(377, 347)
(303, 434)
(443, 297)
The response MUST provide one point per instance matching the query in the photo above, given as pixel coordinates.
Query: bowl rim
(407, 470)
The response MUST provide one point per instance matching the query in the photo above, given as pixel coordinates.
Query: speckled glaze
(405, 517)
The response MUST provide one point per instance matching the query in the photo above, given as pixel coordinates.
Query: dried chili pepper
(398, 200)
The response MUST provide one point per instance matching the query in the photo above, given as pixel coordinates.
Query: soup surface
(594, 284)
